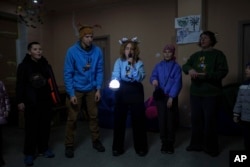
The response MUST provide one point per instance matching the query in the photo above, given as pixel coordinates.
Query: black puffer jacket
(32, 86)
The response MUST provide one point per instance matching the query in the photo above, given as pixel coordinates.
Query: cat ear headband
(125, 39)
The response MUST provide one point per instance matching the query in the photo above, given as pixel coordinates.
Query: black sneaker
(98, 146)
(142, 153)
(117, 152)
(170, 149)
(69, 152)
(48, 154)
(2, 163)
(164, 149)
(28, 160)
(212, 153)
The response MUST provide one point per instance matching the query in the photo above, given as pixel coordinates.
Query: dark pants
(204, 122)
(138, 120)
(246, 134)
(37, 129)
(167, 120)
(130, 98)
(1, 142)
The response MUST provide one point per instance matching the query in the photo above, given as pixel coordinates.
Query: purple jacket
(169, 77)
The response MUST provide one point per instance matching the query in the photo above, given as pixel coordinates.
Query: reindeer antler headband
(87, 29)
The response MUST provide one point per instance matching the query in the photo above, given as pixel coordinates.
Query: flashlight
(114, 84)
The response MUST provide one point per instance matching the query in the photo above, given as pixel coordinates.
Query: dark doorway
(8, 36)
(103, 43)
(244, 49)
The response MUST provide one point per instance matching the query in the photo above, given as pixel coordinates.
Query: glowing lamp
(114, 84)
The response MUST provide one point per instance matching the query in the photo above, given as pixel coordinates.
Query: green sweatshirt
(214, 64)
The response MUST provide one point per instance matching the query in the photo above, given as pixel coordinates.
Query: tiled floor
(86, 156)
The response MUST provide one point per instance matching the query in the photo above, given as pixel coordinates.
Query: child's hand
(155, 83)
(169, 102)
(21, 107)
(236, 119)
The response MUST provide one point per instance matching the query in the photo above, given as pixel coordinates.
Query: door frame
(106, 57)
(241, 46)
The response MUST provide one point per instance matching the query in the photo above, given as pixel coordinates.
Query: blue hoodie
(76, 78)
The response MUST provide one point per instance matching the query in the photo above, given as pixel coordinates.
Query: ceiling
(55, 5)
(59, 5)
